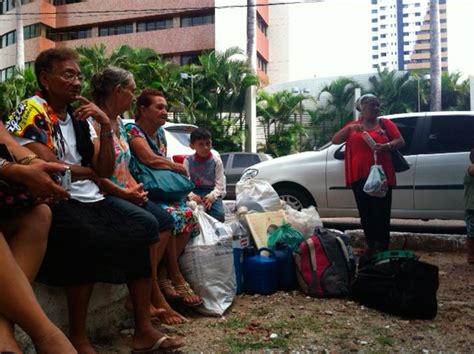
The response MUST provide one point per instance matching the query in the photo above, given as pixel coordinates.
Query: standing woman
(113, 91)
(359, 157)
(146, 139)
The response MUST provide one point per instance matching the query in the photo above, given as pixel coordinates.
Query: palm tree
(340, 94)
(454, 93)
(12, 91)
(397, 93)
(275, 113)
(435, 57)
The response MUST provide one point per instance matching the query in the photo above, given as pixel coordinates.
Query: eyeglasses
(71, 77)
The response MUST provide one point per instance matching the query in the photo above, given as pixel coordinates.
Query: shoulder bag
(162, 185)
(400, 164)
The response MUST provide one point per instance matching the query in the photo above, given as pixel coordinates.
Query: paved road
(436, 226)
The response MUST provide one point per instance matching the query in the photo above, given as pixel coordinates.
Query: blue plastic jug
(260, 272)
(286, 267)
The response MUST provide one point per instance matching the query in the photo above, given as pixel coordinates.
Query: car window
(224, 158)
(181, 136)
(245, 160)
(406, 126)
(450, 134)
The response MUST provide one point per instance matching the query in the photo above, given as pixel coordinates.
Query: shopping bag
(376, 184)
(207, 264)
(256, 194)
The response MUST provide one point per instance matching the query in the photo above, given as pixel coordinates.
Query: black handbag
(399, 285)
(400, 164)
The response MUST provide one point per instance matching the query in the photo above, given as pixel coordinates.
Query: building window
(33, 31)
(64, 2)
(154, 25)
(7, 5)
(69, 35)
(190, 58)
(115, 29)
(7, 73)
(262, 25)
(189, 21)
(262, 64)
(8, 39)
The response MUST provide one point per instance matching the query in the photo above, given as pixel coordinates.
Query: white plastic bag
(207, 264)
(305, 221)
(256, 194)
(376, 184)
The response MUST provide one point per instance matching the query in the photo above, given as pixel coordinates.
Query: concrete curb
(416, 241)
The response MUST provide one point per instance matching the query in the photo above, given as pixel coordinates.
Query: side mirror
(339, 153)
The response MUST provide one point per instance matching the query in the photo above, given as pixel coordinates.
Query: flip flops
(156, 348)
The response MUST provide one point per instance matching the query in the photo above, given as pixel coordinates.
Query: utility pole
(20, 39)
(251, 94)
(435, 57)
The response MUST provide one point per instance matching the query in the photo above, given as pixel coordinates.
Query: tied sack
(256, 194)
(396, 282)
(376, 184)
(323, 264)
(207, 264)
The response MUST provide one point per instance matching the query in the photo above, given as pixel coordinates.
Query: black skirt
(94, 242)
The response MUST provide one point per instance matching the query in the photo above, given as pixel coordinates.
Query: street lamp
(186, 76)
(299, 91)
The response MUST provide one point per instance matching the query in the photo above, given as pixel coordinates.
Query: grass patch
(384, 340)
(240, 344)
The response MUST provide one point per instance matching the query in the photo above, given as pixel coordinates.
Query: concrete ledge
(106, 310)
(416, 242)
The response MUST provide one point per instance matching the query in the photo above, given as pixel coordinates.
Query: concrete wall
(106, 310)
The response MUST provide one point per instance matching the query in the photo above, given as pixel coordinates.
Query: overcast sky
(336, 39)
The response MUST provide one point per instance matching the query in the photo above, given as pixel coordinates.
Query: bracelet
(389, 146)
(108, 134)
(27, 159)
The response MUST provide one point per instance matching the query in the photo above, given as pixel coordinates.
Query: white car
(177, 136)
(437, 147)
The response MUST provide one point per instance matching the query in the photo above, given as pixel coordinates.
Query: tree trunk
(251, 94)
(435, 57)
(20, 42)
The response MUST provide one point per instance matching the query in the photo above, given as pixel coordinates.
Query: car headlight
(250, 173)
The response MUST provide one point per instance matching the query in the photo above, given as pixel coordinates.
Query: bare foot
(54, 343)
(154, 311)
(171, 317)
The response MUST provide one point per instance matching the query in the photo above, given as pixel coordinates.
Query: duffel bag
(397, 283)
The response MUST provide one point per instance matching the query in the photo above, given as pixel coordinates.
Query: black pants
(374, 215)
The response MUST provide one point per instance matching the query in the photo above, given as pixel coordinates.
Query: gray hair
(103, 83)
(365, 99)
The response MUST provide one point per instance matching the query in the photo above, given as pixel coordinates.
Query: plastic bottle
(369, 140)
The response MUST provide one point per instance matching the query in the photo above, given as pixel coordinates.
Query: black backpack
(396, 282)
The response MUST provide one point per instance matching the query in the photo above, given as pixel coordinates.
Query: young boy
(207, 173)
(469, 207)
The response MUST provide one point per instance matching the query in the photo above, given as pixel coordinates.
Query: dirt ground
(286, 322)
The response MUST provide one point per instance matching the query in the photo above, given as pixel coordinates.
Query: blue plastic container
(286, 267)
(260, 273)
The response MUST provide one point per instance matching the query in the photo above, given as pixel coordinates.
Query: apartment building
(179, 30)
(401, 34)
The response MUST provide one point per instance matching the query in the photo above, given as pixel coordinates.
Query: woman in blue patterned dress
(148, 144)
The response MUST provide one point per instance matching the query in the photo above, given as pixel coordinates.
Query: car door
(442, 163)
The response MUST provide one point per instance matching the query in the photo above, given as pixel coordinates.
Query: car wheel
(294, 197)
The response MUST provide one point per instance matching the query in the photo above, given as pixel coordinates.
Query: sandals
(168, 289)
(184, 290)
(157, 347)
